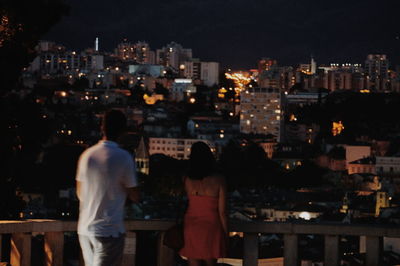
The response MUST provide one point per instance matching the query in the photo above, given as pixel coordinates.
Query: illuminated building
(300, 132)
(356, 152)
(261, 112)
(61, 62)
(173, 55)
(266, 64)
(192, 69)
(213, 128)
(305, 68)
(385, 166)
(382, 201)
(125, 50)
(139, 52)
(143, 53)
(177, 148)
(268, 147)
(377, 69)
(209, 73)
(182, 89)
(388, 165)
(363, 165)
(277, 77)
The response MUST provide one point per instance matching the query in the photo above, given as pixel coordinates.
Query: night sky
(237, 32)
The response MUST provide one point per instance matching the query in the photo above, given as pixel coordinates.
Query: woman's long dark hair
(201, 162)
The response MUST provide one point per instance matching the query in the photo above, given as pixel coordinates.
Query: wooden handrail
(47, 225)
(53, 230)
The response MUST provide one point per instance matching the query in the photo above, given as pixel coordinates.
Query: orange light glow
(337, 128)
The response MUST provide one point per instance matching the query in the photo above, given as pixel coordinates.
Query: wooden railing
(53, 231)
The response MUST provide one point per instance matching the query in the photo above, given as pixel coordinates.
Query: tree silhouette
(22, 24)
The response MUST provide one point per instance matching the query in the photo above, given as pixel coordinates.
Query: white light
(186, 81)
(305, 215)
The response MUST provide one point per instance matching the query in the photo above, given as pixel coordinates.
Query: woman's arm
(222, 205)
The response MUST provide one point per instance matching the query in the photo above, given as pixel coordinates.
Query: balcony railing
(53, 231)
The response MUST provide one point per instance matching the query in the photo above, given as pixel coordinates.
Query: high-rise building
(139, 52)
(209, 73)
(377, 70)
(192, 69)
(143, 53)
(277, 77)
(261, 112)
(125, 51)
(266, 64)
(173, 55)
(313, 66)
(61, 62)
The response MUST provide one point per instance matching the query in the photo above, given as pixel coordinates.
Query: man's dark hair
(114, 124)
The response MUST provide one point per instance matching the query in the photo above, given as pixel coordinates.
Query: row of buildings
(374, 75)
(56, 60)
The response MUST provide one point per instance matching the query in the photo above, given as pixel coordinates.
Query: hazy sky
(237, 32)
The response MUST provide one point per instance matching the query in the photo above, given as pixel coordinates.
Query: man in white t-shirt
(106, 176)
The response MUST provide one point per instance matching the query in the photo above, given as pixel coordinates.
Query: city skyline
(236, 33)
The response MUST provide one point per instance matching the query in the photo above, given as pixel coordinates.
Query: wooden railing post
(53, 248)
(290, 250)
(1, 247)
(373, 249)
(331, 250)
(250, 249)
(129, 256)
(21, 249)
(165, 255)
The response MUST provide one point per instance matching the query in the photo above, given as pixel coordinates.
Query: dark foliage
(22, 130)
(27, 22)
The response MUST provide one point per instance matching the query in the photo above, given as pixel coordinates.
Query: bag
(173, 237)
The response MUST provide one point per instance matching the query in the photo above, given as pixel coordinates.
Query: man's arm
(130, 181)
(78, 189)
(133, 194)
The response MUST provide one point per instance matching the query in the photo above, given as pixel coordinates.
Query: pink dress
(203, 232)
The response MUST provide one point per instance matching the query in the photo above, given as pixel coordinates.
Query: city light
(305, 215)
(337, 128)
(240, 79)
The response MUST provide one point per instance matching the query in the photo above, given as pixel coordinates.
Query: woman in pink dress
(205, 221)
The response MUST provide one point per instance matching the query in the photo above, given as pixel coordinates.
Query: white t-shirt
(105, 171)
